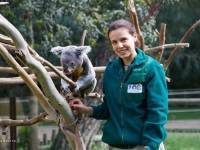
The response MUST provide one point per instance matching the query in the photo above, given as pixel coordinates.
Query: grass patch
(183, 141)
(175, 141)
(184, 116)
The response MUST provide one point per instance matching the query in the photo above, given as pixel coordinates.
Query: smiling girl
(135, 95)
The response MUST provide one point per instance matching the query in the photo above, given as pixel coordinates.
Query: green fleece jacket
(135, 103)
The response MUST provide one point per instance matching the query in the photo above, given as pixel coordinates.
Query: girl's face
(123, 43)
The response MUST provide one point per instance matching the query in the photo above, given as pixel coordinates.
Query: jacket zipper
(121, 114)
(121, 102)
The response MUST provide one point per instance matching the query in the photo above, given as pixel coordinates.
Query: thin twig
(25, 122)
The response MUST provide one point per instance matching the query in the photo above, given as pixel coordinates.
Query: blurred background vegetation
(48, 23)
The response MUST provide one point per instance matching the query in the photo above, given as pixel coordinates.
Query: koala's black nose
(65, 70)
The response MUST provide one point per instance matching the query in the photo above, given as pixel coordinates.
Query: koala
(77, 66)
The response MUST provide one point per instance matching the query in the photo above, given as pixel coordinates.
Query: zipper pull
(121, 85)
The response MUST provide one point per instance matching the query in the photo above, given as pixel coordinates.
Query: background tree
(186, 65)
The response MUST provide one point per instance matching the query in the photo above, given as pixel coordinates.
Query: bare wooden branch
(161, 40)
(83, 38)
(30, 83)
(27, 69)
(98, 70)
(158, 48)
(95, 96)
(19, 80)
(8, 43)
(4, 3)
(26, 122)
(67, 120)
(134, 19)
(47, 84)
(11, 48)
(6, 39)
(183, 39)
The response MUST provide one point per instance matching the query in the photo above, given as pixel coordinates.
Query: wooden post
(12, 128)
(34, 141)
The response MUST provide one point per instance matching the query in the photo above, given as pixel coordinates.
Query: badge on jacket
(134, 88)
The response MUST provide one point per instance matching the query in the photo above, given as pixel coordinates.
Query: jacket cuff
(94, 111)
(152, 146)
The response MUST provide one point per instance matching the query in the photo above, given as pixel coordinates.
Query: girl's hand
(77, 105)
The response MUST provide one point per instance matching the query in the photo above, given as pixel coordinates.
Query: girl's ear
(137, 42)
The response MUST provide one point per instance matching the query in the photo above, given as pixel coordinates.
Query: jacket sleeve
(154, 131)
(101, 111)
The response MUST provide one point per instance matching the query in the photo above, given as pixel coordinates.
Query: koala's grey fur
(77, 66)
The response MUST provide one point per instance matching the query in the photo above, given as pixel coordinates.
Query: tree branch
(30, 83)
(134, 19)
(98, 70)
(55, 99)
(4, 3)
(183, 39)
(158, 48)
(26, 122)
(83, 38)
(6, 39)
(27, 69)
(161, 40)
(8, 43)
(67, 120)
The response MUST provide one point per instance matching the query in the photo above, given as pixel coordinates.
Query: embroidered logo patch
(134, 88)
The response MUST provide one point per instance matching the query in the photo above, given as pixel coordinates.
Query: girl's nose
(119, 45)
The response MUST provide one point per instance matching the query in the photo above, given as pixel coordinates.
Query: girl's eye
(114, 42)
(124, 40)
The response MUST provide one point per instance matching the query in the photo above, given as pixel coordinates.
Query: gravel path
(183, 124)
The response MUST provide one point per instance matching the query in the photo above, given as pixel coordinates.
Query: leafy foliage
(186, 66)
(49, 23)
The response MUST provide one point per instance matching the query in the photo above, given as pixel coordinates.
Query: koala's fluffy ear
(82, 50)
(57, 50)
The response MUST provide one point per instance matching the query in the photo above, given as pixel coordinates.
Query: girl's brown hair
(121, 23)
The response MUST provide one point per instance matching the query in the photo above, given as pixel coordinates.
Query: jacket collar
(138, 60)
